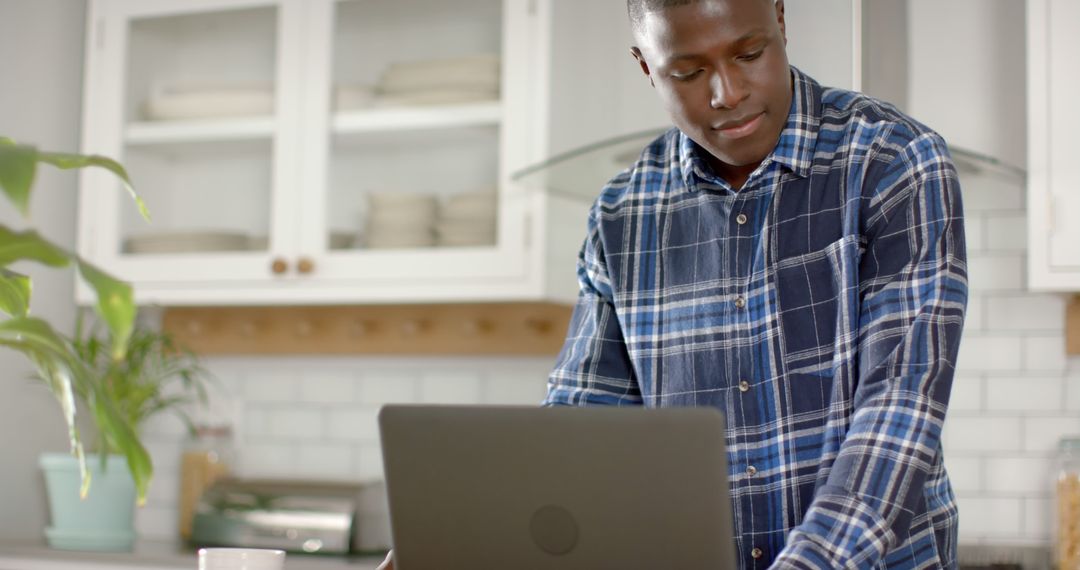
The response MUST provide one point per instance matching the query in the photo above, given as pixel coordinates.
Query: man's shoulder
(844, 111)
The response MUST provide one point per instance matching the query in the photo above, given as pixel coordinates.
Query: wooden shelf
(442, 329)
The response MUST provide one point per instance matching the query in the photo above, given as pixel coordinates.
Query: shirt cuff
(839, 531)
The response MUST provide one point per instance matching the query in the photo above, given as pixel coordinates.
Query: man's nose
(728, 89)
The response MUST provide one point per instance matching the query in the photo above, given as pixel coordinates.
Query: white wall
(968, 71)
(39, 103)
(315, 418)
(1016, 392)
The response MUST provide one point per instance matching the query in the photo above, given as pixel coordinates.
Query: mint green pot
(105, 519)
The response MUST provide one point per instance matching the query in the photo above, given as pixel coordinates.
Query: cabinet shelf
(199, 130)
(417, 118)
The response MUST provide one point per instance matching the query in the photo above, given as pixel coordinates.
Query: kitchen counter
(150, 555)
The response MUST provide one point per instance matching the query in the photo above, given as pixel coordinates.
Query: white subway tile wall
(316, 418)
(1015, 393)
(1014, 396)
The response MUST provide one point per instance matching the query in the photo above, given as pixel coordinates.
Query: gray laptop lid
(524, 487)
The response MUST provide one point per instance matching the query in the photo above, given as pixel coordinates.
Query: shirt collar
(794, 149)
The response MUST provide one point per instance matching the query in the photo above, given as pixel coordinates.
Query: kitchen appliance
(295, 516)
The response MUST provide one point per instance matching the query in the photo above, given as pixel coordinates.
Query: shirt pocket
(817, 295)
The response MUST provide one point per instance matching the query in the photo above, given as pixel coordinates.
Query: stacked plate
(187, 242)
(440, 81)
(467, 219)
(204, 101)
(396, 220)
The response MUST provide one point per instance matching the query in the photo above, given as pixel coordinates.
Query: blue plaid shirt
(819, 308)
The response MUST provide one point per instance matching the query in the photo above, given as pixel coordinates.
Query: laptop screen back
(524, 487)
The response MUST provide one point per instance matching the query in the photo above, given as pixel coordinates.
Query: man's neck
(736, 176)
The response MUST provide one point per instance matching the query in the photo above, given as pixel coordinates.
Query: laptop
(496, 487)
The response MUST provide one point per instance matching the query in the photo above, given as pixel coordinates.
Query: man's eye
(751, 56)
(686, 76)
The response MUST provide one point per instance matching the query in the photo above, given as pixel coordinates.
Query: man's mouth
(739, 128)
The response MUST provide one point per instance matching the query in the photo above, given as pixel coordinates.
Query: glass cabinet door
(409, 151)
(197, 89)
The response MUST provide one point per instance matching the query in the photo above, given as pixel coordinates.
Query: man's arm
(913, 290)
(593, 367)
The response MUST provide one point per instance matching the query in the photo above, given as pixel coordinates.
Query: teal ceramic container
(104, 520)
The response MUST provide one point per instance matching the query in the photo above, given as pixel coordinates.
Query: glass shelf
(579, 174)
(971, 162)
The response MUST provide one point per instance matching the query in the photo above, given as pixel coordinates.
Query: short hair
(637, 9)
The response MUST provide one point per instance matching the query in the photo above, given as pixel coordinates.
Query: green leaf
(14, 293)
(120, 436)
(67, 161)
(17, 166)
(36, 334)
(115, 305)
(29, 245)
(58, 378)
(56, 366)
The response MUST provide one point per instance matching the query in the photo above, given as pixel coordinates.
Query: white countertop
(150, 555)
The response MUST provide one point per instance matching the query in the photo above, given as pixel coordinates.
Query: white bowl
(241, 559)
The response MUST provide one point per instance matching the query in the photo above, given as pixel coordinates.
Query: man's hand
(387, 564)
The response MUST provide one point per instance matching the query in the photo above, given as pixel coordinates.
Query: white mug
(241, 559)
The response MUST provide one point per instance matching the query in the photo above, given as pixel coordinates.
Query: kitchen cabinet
(1053, 120)
(321, 151)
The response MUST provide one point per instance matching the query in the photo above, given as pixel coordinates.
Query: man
(794, 256)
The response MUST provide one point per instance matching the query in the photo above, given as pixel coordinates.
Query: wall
(39, 103)
(315, 418)
(1016, 392)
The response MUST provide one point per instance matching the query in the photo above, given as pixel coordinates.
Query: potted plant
(155, 376)
(53, 355)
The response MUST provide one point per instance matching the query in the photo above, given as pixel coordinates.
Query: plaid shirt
(819, 308)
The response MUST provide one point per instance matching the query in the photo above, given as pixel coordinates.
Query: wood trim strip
(440, 329)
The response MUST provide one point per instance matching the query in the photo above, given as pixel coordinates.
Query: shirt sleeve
(593, 367)
(913, 294)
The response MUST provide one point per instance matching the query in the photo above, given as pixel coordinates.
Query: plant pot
(104, 520)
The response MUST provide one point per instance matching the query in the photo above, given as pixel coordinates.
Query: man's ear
(780, 19)
(634, 51)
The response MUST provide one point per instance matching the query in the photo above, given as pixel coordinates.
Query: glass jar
(206, 457)
(1068, 503)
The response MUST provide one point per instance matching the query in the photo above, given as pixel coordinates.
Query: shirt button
(751, 470)
(756, 553)
(741, 219)
(740, 302)
(744, 386)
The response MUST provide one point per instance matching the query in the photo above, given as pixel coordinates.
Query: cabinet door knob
(279, 266)
(305, 265)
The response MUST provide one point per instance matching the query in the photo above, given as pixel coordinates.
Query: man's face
(721, 68)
